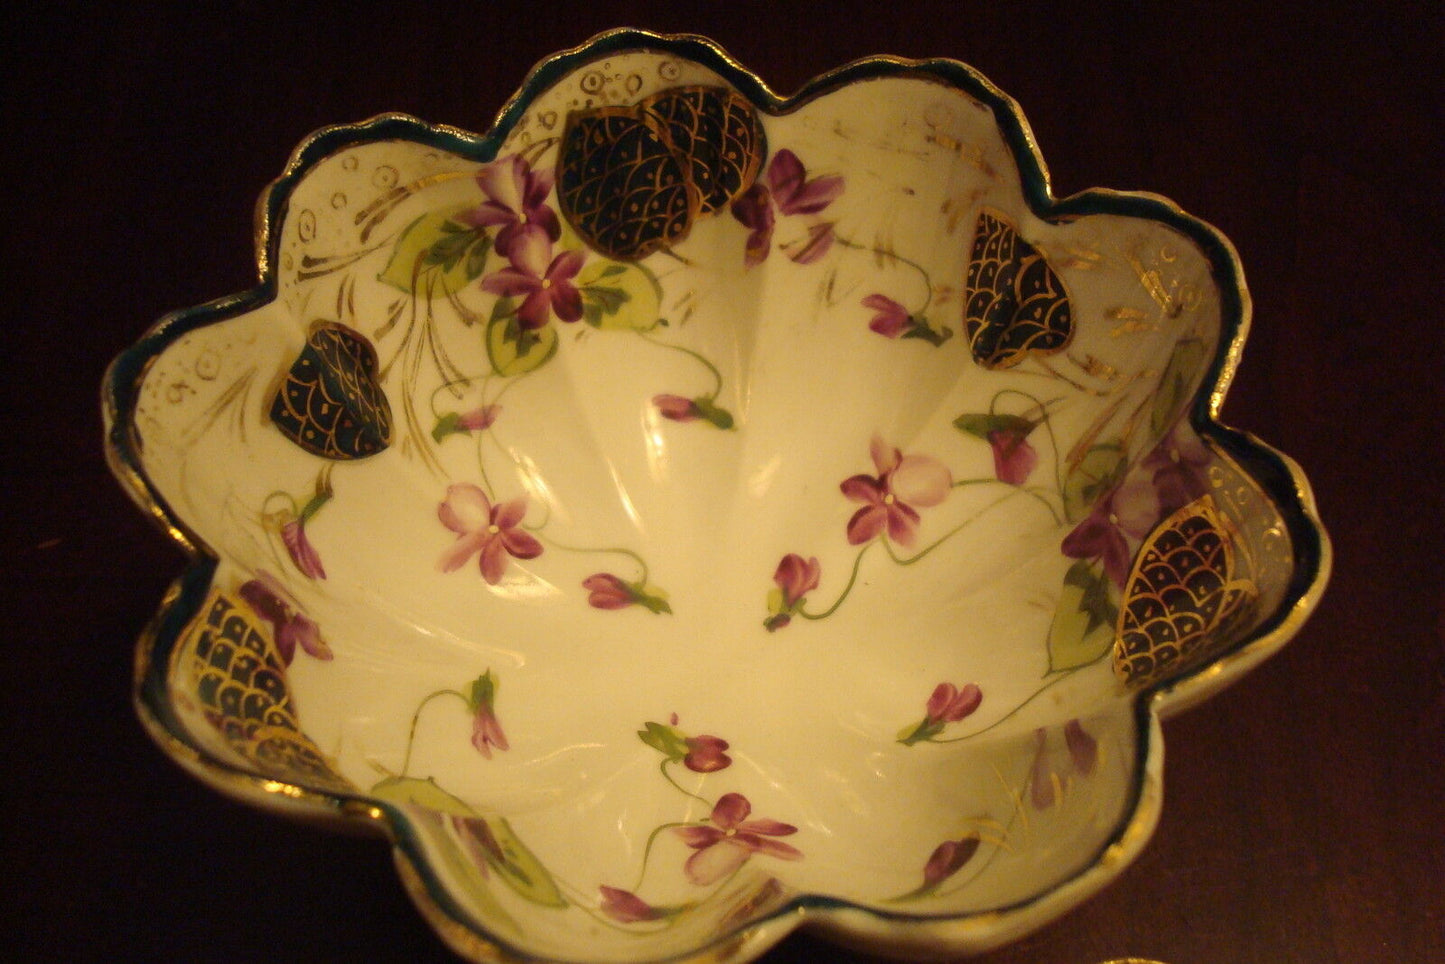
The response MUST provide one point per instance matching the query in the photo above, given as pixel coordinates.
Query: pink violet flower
(544, 283)
(676, 408)
(1014, 459)
(515, 203)
(1083, 748)
(1117, 522)
(301, 551)
(950, 704)
(478, 419)
(290, 627)
(792, 193)
(476, 839)
(486, 728)
(626, 907)
(732, 838)
(492, 532)
(947, 704)
(1046, 786)
(607, 591)
(889, 498)
(706, 754)
(701, 754)
(948, 859)
(1178, 466)
(890, 319)
(795, 578)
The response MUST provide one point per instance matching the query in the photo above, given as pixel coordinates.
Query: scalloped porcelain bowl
(683, 514)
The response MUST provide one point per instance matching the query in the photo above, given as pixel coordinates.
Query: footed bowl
(682, 513)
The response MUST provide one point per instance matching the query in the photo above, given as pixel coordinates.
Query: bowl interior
(676, 504)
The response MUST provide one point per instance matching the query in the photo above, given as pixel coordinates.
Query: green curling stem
(1048, 424)
(668, 777)
(641, 563)
(717, 375)
(852, 578)
(416, 718)
(951, 533)
(1059, 678)
(652, 839)
(923, 273)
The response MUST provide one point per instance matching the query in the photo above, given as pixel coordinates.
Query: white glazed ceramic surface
(682, 514)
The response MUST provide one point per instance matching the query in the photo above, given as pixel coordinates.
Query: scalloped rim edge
(886, 932)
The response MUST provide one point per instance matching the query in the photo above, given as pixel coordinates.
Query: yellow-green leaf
(1180, 375)
(521, 869)
(517, 866)
(421, 793)
(437, 255)
(513, 349)
(619, 296)
(1101, 468)
(1083, 626)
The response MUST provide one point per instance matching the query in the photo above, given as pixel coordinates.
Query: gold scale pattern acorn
(330, 401)
(634, 179)
(229, 666)
(1191, 584)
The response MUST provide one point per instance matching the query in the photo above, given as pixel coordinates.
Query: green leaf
(921, 330)
(1101, 468)
(652, 599)
(713, 413)
(981, 424)
(665, 740)
(1180, 375)
(516, 865)
(435, 255)
(619, 297)
(1083, 627)
(446, 425)
(512, 349)
(520, 868)
(483, 692)
(919, 732)
(421, 793)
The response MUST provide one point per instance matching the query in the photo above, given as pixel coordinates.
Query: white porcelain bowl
(682, 513)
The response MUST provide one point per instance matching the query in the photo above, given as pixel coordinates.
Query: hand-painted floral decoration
(790, 191)
(1047, 785)
(486, 728)
(491, 532)
(290, 627)
(729, 838)
(516, 203)
(948, 704)
(608, 591)
(795, 578)
(890, 496)
(543, 282)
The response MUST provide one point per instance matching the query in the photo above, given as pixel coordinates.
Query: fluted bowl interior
(682, 512)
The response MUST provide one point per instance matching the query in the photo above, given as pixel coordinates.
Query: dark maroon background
(1303, 816)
